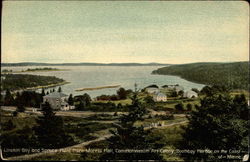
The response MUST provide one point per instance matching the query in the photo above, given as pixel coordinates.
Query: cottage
(152, 90)
(57, 101)
(190, 94)
(160, 97)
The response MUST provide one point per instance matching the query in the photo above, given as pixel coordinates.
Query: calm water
(94, 76)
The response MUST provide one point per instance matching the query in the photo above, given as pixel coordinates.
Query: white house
(152, 90)
(57, 101)
(190, 94)
(160, 97)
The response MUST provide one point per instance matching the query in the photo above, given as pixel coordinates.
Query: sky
(173, 32)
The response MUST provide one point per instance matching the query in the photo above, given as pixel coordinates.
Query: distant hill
(81, 64)
(233, 75)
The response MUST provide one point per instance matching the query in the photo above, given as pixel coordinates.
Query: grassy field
(123, 102)
(159, 119)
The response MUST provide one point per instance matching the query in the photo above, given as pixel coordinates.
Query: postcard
(125, 80)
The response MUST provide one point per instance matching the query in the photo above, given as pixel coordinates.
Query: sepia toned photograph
(122, 80)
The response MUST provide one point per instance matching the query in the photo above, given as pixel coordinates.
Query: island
(45, 69)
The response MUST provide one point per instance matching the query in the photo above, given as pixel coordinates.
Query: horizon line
(119, 62)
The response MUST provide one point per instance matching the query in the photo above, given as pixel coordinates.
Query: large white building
(57, 101)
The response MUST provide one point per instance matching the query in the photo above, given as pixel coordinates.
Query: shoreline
(16, 72)
(41, 87)
(97, 88)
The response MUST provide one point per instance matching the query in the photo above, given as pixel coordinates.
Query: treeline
(232, 75)
(26, 98)
(121, 94)
(40, 69)
(22, 81)
(84, 103)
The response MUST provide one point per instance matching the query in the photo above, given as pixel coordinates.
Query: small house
(160, 97)
(190, 94)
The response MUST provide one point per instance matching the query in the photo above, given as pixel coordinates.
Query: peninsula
(97, 88)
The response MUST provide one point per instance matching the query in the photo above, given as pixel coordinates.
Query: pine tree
(128, 136)
(9, 125)
(216, 124)
(71, 100)
(18, 99)
(59, 89)
(20, 107)
(43, 93)
(8, 100)
(50, 131)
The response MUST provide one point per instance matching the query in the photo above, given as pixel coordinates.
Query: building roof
(56, 95)
(152, 86)
(191, 92)
(160, 95)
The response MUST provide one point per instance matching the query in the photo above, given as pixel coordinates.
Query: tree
(128, 136)
(122, 93)
(179, 107)
(87, 99)
(50, 132)
(17, 99)
(15, 113)
(119, 106)
(71, 100)
(181, 93)
(240, 104)
(81, 106)
(174, 94)
(83, 101)
(215, 89)
(217, 124)
(43, 92)
(8, 100)
(20, 108)
(59, 89)
(195, 90)
(149, 100)
(8, 125)
(31, 99)
(207, 90)
(189, 107)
